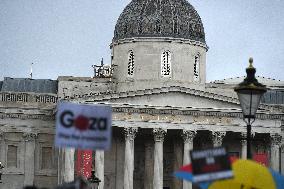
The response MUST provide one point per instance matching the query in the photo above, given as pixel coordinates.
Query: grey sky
(65, 37)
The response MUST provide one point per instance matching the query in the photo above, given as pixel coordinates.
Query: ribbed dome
(159, 18)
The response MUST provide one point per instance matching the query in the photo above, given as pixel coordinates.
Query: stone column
(149, 164)
(188, 137)
(99, 167)
(119, 161)
(218, 138)
(29, 139)
(244, 145)
(130, 134)
(66, 165)
(178, 160)
(275, 149)
(158, 158)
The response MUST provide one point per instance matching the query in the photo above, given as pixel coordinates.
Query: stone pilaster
(244, 145)
(99, 167)
(188, 137)
(275, 151)
(1, 135)
(130, 134)
(29, 139)
(2, 148)
(66, 165)
(282, 157)
(159, 135)
(218, 138)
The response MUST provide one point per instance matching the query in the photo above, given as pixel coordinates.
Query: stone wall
(78, 87)
(147, 60)
(28, 153)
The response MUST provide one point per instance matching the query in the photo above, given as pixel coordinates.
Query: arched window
(196, 67)
(166, 64)
(130, 70)
(158, 26)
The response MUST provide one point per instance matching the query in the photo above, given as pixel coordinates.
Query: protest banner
(83, 126)
(210, 164)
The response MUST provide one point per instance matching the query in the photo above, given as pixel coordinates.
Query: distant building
(162, 108)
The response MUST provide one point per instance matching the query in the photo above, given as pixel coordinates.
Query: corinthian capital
(188, 136)
(218, 137)
(159, 134)
(276, 139)
(29, 136)
(130, 133)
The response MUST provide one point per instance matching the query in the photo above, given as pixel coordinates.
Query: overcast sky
(65, 37)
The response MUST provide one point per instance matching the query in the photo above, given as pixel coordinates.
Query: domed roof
(159, 18)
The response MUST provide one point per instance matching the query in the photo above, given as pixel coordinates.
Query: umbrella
(247, 174)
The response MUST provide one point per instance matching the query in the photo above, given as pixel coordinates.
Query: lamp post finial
(250, 62)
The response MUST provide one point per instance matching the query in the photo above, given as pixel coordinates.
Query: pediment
(170, 96)
(175, 99)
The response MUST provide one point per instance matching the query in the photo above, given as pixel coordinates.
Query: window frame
(168, 63)
(196, 67)
(19, 169)
(40, 144)
(130, 63)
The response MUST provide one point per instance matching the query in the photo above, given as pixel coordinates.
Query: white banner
(83, 126)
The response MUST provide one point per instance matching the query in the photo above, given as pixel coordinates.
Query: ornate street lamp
(250, 92)
(95, 181)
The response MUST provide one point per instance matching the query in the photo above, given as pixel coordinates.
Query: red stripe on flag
(87, 163)
(84, 163)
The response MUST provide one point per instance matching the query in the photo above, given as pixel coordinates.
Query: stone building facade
(162, 108)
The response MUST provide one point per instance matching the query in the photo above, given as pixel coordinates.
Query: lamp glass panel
(249, 103)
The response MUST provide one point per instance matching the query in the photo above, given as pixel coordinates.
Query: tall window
(46, 158)
(12, 157)
(166, 64)
(130, 63)
(196, 68)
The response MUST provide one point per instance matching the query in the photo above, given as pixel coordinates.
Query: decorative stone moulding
(25, 116)
(25, 97)
(29, 136)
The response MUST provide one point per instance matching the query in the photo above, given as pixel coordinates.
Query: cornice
(154, 110)
(159, 39)
(192, 112)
